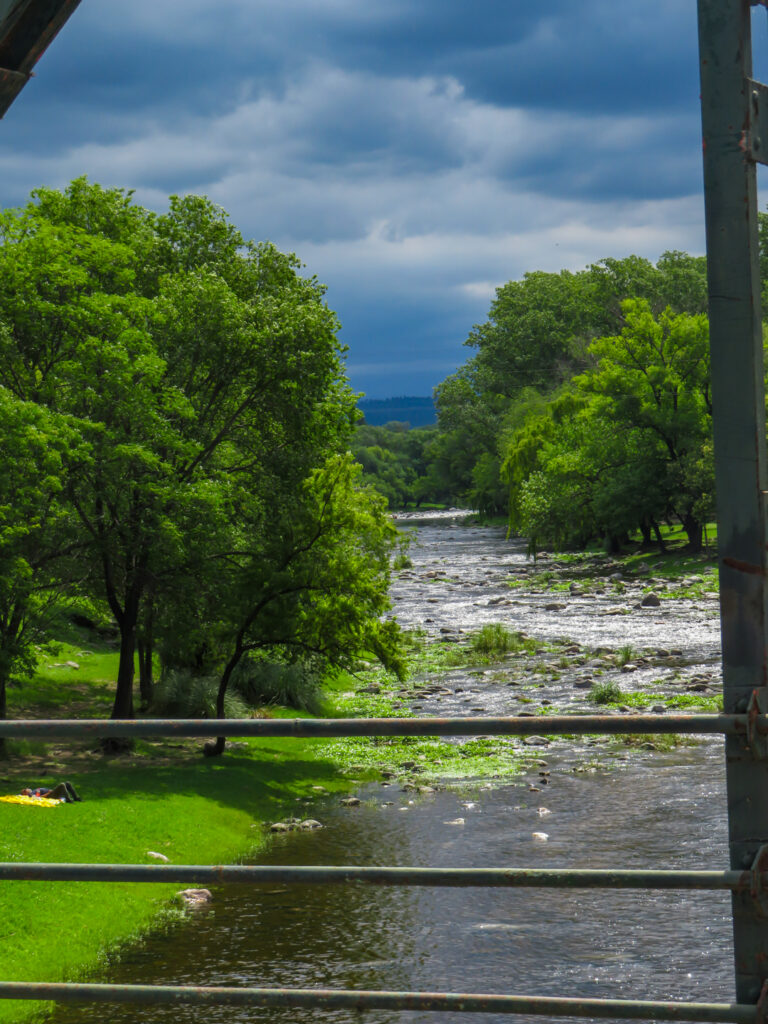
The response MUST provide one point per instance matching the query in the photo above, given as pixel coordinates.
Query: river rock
(536, 741)
(194, 897)
(554, 606)
(658, 709)
(309, 824)
(650, 601)
(280, 826)
(350, 801)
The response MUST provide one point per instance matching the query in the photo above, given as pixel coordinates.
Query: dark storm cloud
(420, 150)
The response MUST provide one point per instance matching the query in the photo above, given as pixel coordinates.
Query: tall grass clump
(182, 695)
(605, 693)
(493, 640)
(294, 685)
(626, 655)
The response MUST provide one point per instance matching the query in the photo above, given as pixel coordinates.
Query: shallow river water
(650, 810)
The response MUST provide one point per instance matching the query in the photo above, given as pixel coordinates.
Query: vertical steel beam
(730, 190)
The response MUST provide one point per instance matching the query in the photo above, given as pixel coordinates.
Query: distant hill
(419, 412)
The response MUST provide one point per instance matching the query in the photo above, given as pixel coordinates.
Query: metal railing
(750, 884)
(735, 135)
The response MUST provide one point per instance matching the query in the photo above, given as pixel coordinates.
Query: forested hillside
(174, 433)
(583, 413)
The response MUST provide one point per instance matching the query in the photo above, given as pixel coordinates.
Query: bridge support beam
(734, 110)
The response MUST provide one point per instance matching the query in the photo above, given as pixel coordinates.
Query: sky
(414, 154)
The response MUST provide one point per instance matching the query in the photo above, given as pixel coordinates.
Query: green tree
(627, 445)
(315, 585)
(654, 377)
(203, 370)
(37, 449)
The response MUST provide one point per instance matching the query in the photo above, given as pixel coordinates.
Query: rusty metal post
(734, 110)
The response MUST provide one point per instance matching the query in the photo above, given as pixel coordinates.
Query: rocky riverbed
(580, 627)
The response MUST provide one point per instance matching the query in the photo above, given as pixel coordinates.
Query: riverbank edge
(231, 802)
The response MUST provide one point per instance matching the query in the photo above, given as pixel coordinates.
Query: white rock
(157, 856)
(541, 837)
(194, 897)
(456, 821)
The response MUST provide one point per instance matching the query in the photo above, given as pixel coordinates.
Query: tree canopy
(203, 380)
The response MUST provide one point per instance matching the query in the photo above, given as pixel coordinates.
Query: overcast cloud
(415, 154)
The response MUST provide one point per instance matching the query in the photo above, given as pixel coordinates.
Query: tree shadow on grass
(266, 776)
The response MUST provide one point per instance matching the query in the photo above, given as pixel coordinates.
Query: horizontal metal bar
(269, 874)
(326, 999)
(547, 725)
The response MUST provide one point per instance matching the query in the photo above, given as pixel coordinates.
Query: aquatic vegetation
(625, 655)
(605, 693)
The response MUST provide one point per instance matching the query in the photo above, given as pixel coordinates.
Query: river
(650, 809)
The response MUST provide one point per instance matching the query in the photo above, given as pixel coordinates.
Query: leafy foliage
(211, 506)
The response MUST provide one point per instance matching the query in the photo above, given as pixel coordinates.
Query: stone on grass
(157, 856)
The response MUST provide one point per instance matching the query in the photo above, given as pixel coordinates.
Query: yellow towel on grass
(31, 801)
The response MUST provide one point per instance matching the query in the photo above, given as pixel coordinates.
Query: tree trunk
(613, 544)
(3, 709)
(659, 538)
(645, 529)
(692, 527)
(123, 705)
(216, 748)
(145, 645)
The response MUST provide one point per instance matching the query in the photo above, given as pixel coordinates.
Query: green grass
(192, 810)
(163, 797)
(494, 641)
(679, 701)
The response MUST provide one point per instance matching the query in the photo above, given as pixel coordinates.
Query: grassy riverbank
(164, 797)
